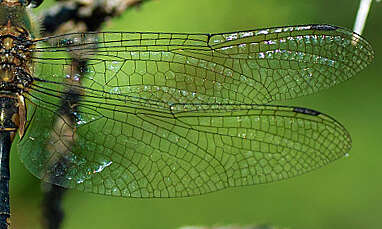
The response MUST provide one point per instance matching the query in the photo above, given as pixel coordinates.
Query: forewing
(254, 67)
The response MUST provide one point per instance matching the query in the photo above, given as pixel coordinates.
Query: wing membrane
(160, 150)
(173, 115)
(256, 66)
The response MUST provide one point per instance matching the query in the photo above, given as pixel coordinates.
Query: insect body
(15, 64)
(15, 77)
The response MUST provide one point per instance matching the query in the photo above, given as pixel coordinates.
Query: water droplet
(262, 32)
(76, 77)
(113, 66)
(242, 135)
(132, 186)
(246, 34)
(102, 166)
(226, 48)
(184, 93)
(115, 90)
(270, 42)
(115, 191)
(232, 37)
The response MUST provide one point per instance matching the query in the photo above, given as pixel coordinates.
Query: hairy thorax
(15, 59)
(16, 68)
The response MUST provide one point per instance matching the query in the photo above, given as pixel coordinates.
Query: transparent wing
(171, 115)
(128, 147)
(256, 66)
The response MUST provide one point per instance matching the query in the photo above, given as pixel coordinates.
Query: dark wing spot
(306, 111)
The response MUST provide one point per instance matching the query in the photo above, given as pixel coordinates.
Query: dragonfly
(159, 115)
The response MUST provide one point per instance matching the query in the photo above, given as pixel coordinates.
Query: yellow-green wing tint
(138, 149)
(172, 114)
(256, 66)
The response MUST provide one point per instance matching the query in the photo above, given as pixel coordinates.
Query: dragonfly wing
(135, 149)
(164, 114)
(257, 66)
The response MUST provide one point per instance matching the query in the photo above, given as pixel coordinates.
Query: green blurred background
(345, 194)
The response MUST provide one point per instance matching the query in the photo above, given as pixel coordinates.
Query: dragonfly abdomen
(11, 113)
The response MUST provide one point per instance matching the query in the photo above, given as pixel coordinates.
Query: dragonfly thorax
(11, 3)
(15, 58)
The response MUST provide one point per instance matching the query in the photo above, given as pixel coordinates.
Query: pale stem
(360, 21)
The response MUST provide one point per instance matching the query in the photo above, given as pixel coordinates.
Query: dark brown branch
(52, 211)
(81, 16)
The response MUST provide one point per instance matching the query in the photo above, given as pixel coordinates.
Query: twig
(83, 16)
